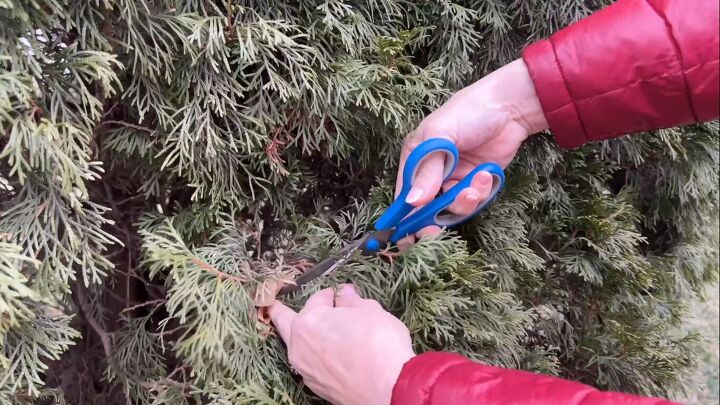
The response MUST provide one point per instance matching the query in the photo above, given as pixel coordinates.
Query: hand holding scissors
(395, 223)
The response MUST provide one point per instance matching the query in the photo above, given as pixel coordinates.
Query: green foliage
(164, 163)
(14, 293)
(29, 346)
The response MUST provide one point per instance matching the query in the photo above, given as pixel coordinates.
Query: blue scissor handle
(399, 209)
(428, 214)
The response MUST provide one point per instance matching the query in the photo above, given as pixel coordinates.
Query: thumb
(282, 317)
(428, 180)
(347, 296)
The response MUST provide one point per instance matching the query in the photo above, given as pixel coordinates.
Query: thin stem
(94, 324)
(129, 125)
(157, 301)
(196, 261)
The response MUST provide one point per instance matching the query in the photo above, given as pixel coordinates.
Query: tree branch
(196, 261)
(142, 304)
(129, 125)
(94, 324)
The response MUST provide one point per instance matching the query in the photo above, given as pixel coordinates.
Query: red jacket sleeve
(446, 378)
(634, 66)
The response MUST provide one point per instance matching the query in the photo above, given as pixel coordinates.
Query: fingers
(405, 243)
(322, 298)
(428, 175)
(347, 296)
(282, 317)
(469, 199)
(466, 202)
(427, 232)
(410, 143)
(428, 180)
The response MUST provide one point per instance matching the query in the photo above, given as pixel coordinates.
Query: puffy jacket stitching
(567, 89)
(603, 134)
(636, 82)
(678, 55)
(426, 400)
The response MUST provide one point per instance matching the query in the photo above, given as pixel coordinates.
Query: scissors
(393, 224)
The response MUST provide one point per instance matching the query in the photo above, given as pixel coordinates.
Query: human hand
(487, 121)
(348, 350)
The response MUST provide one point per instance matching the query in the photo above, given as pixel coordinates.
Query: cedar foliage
(163, 161)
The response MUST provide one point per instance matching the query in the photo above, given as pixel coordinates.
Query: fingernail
(347, 289)
(485, 179)
(414, 195)
(473, 198)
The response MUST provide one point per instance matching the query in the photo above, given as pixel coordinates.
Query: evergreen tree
(164, 164)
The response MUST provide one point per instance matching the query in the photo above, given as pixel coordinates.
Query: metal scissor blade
(326, 266)
(329, 265)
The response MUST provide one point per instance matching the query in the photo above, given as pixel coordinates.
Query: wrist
(512, 91)
(525, 106)
(391, 375)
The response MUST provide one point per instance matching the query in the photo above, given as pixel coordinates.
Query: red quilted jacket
(634, 66)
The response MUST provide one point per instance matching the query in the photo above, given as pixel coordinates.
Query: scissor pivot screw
(372, 245)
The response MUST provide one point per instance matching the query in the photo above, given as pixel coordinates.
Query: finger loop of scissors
(394, 216)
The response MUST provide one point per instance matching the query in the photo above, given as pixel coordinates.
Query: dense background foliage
(162, 162)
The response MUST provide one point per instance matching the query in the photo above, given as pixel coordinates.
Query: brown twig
(157, 385)
(263, 315)
(196, 261)
(264, 318)
(302, 266)
(110, 110)
(94, 324)
(131, 273)
(275, 147)
(36, 110)
(177, 370)
(128, 247)
(129, 125)
(389, 255)
(41, 209)
(128, 199)
(112, 294)
(229, 17)
(169, 332)
(157, 301)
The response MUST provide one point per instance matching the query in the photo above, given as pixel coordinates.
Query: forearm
(440, 378)
(634, 66)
